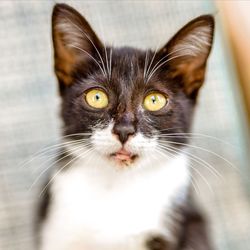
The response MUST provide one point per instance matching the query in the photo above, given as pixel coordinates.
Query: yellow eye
(154, 101)
(97, 98)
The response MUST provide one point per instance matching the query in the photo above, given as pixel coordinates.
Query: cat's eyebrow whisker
(168, 60)
(197, 171)
(205, 150)
(151, 62)
(106, 59)
(75, 150)
(105, 48)
(83, 50)
(86, 35)
(84, 154)
(145, 65)
(167, 55)
(196, 159)
(110, 63)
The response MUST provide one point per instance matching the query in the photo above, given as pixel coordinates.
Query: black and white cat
(123, 178)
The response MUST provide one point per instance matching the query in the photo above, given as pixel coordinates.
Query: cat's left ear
(187, 52)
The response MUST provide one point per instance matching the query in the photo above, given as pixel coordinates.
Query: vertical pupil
(153, 99)
(97, 97)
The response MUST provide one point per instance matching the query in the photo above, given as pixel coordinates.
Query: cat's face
(125, 104)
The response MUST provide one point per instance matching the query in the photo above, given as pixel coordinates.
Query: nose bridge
(124, 125)
(126, 117)
(125, 113)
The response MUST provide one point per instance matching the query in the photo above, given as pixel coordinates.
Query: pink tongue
(123, 155)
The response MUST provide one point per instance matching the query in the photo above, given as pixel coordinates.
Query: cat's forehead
(128, 67)
(128, 59)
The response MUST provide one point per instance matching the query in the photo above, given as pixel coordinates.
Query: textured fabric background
(29, 113)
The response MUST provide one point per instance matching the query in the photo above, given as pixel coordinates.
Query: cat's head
(125, 104)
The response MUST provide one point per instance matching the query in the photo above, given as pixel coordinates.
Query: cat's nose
(123, 131)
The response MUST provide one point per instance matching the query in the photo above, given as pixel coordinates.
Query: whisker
(61, 169)
(48, 159)
(83, 50)
(175, 51)
(152, 60)
(196, 159)
(145, 65)
(203, 178)
(167, 129)
(46, 150)
(196, 135)
(168, 60)
(205, 150)
(86, 35)
(194, 184)
(110, 62)
(77, 149)
(106, 56)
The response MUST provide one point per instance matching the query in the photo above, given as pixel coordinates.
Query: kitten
(123, 179)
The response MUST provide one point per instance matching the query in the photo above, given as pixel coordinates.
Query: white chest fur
(93, 210)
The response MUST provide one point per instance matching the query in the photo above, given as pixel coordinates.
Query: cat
(123, 180)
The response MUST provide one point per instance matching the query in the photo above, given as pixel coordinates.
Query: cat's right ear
(74, 42)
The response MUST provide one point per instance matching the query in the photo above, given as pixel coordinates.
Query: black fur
(179, 79)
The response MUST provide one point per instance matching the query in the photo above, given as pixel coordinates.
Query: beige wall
(236, 20)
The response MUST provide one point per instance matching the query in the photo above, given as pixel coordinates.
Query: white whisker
(168, 60)
(62, 168)
(203, 178)
(195, 135)
(145, 65)
(110, 62)
(75, 150)
(151, 62)
(46, 150)
(86, 35)
(71, 45)
(205, 150)
(173, 52)
(196, 159)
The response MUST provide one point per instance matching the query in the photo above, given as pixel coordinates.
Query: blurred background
(29, 113)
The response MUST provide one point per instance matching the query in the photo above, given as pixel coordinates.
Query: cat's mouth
(123, 157)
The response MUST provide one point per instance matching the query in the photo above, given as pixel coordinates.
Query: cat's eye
(154, 101)
(97, 98)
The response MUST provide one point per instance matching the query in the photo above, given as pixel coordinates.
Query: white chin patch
(105, 145)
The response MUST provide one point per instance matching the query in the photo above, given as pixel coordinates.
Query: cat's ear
(74, 42)
(187, 52)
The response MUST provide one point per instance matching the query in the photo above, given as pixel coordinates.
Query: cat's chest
(116, 207)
